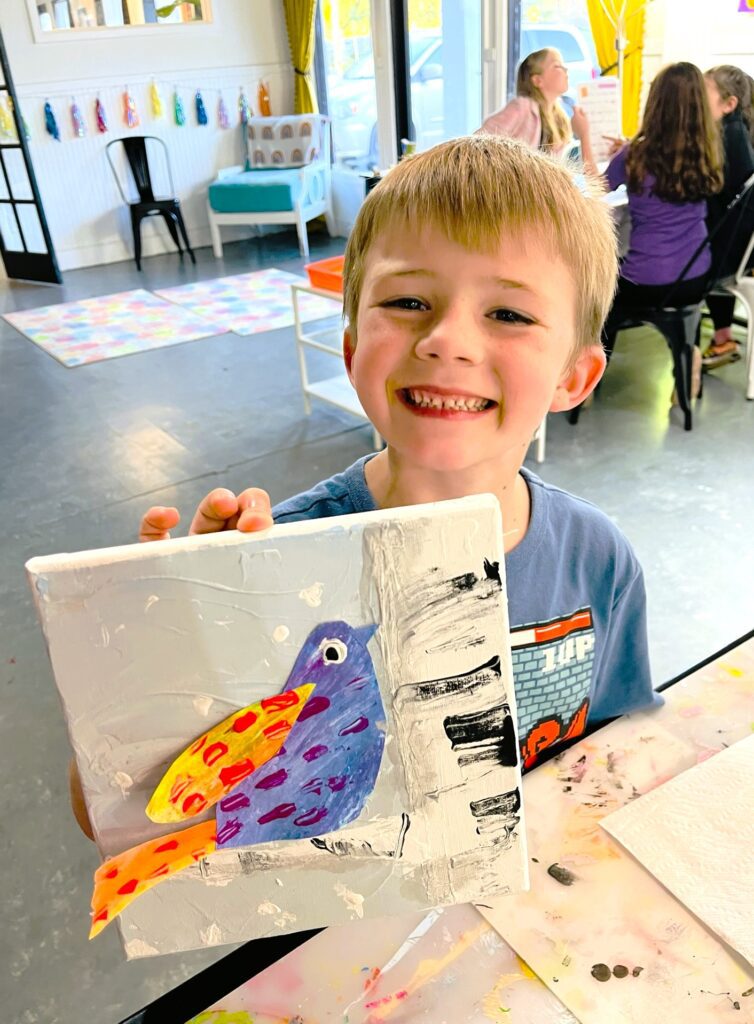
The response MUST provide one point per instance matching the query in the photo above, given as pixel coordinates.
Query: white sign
(600, 99)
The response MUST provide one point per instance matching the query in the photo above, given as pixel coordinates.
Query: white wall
(699, 31)
(246, 41)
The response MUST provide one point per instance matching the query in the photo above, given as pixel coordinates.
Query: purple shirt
(664, 235)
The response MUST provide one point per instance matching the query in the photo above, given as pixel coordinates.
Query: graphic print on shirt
(552, 671)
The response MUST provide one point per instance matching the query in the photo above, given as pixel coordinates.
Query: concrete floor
(85, 451)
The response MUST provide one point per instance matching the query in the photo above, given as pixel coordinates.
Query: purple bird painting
(321, 778)
(295, 765)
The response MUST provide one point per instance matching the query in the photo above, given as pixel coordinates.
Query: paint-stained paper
(416, 773)
(695, 834)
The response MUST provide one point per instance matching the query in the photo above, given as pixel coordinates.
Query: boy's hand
(220, 510)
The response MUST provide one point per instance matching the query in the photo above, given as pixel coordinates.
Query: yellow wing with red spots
(215, 763)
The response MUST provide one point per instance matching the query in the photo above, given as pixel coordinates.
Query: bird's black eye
(333, 652)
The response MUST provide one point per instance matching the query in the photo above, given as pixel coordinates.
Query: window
(350, 94)
(86, 15)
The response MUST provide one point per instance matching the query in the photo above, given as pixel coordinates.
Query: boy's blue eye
(407, 302)
(508, 316)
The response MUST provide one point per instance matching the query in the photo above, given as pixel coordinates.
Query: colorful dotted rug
(251, 303)
(110, 326)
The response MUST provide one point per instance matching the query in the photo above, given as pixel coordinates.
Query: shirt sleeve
(616, 170)
(509, 121)
(623, 681)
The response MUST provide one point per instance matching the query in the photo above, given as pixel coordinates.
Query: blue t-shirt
(576, 604)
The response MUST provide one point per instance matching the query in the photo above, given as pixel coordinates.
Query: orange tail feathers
(121, 879)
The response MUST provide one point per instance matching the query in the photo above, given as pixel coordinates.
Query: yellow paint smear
(223, 1017)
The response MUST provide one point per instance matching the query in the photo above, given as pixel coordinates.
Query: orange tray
(327, 274)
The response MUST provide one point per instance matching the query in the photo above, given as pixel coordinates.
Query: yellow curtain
(299, 17)
(602, 17)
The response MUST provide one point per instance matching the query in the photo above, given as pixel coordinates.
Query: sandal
(719, 355)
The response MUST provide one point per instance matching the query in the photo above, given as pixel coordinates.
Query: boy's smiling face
(460, 354)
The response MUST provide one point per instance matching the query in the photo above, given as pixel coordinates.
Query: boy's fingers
(214, 511)
(157, 523)
(255, 511)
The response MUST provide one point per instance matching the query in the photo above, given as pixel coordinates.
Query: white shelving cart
(324, 336)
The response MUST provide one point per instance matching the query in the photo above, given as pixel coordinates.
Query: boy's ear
(349, 347)
(580, 379)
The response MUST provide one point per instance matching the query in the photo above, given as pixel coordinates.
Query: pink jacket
(518, 119)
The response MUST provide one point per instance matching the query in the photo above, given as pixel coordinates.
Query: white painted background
(246, 41)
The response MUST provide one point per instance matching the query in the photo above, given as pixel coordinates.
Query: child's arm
(580, 125)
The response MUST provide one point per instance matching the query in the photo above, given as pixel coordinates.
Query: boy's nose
(451, 339)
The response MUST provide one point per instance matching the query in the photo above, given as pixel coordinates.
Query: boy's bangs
(480, 190)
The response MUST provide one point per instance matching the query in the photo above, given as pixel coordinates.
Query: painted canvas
(695, 834)
(291, 729)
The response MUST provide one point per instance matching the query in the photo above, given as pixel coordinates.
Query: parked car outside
(352, 105)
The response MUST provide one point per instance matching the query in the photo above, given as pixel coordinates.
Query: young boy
(477, 279)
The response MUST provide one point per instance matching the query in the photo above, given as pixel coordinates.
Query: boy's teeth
(430, 400)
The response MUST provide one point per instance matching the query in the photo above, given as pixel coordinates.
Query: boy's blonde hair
(479, 189)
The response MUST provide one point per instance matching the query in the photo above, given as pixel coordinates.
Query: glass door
(445, 69)
(25, 242)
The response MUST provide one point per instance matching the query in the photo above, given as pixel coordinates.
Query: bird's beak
(365, 633)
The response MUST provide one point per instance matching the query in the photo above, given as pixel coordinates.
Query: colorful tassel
(50, 123)
(244, 111)
(201, 113)
(263, 98)
(7, 127)
(130, 112)
(180, 113)
(21, 118)
(77, 120)
(223, 118)
(156, 100)
(101, 116)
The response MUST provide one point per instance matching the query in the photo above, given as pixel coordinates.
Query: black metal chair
(679, 325)
(169, 208)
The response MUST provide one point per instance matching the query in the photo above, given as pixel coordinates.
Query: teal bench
(287, 179)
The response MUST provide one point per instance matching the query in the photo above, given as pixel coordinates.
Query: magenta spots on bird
(357, 683)
(281, 811)
(311, 817)
(282, 752)
(337, 782)
(270, 781)
(230, 828)
(234, 802)
(314, 752)
(314, 706)
(359, 725)
(313, 786)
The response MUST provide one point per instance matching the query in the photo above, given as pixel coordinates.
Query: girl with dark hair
(534, 116)
(729, 90)
(671, 167)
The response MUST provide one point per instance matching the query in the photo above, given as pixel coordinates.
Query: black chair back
(136, 154)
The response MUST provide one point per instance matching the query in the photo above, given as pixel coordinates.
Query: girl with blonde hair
(534, 115)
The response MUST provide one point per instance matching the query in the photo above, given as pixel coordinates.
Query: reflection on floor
(84, 451)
